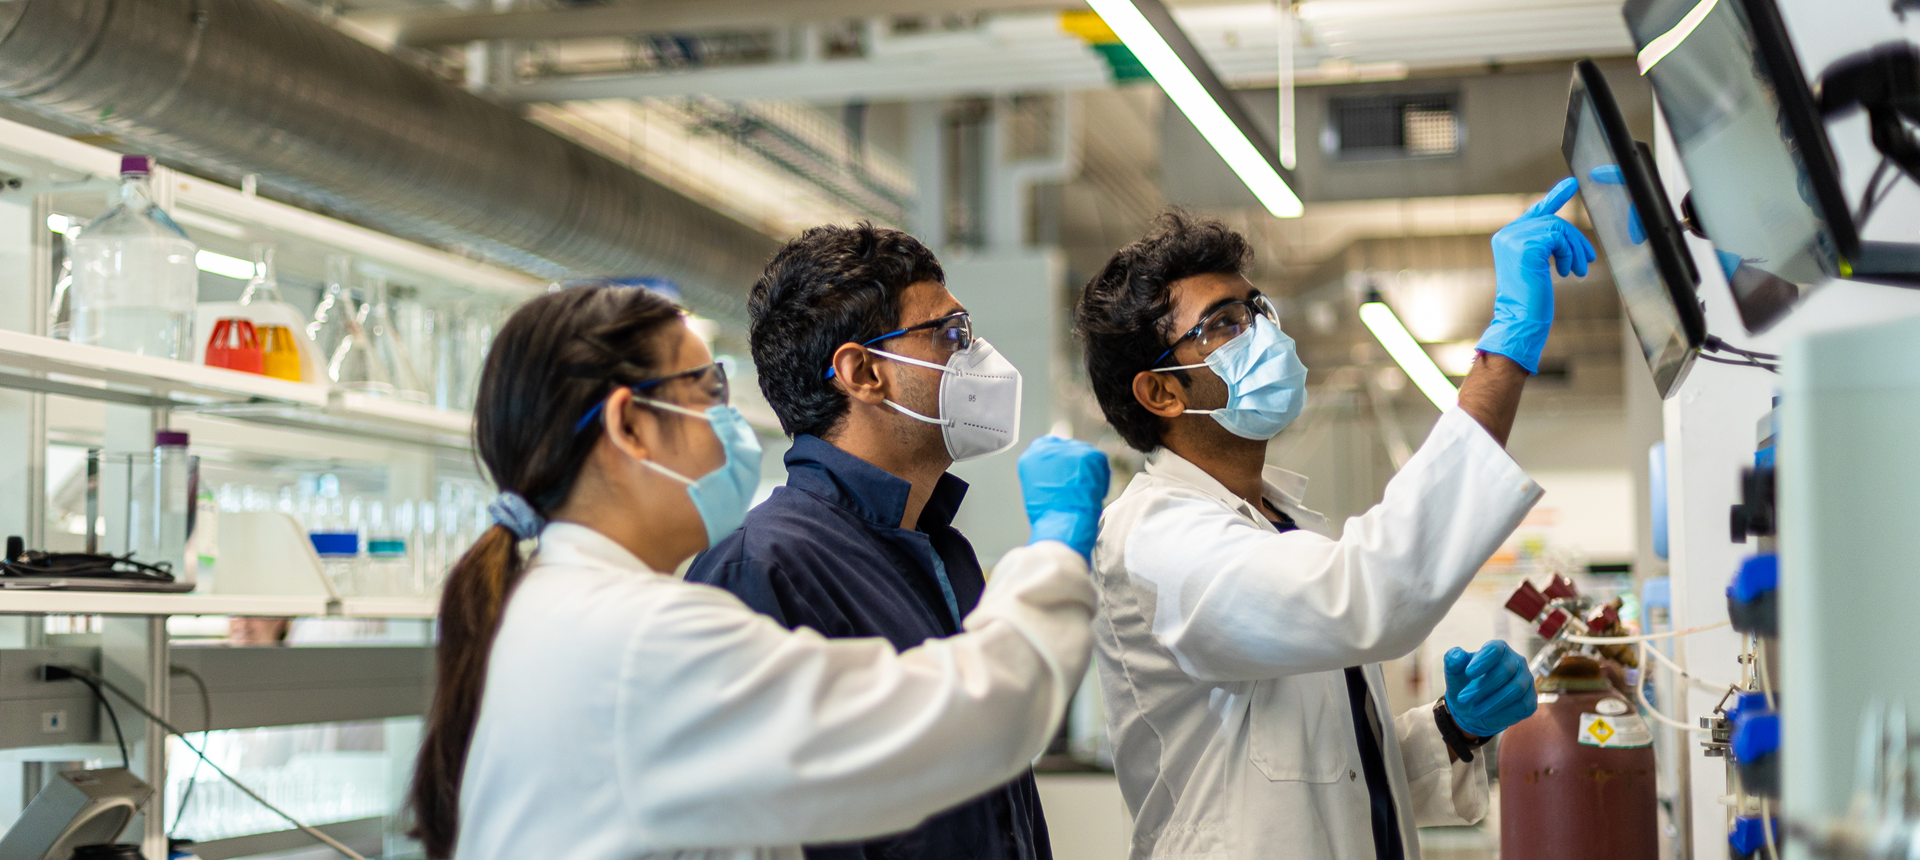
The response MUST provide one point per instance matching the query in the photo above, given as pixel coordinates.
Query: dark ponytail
(558, 356)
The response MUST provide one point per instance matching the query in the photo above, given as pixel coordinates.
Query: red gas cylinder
(1577, 777)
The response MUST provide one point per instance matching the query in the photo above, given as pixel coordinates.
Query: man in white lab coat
(1238, 644)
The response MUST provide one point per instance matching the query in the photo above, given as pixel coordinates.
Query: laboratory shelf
(137, 603)
(36, 363)
(389, 607)
(109, 374)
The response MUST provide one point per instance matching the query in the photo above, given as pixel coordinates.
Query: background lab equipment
(1766, 187)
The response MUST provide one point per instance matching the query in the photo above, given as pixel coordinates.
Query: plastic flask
(134, 276)
(235, 345)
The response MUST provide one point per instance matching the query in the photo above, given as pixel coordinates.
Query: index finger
(1556, 198)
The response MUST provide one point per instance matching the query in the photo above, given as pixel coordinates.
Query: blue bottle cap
(335, 543)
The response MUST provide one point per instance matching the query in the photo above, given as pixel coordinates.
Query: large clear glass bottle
(135, 279)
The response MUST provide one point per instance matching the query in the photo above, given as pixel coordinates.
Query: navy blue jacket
(826, 551)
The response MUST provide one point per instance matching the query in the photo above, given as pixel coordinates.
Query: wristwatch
(1460, 742)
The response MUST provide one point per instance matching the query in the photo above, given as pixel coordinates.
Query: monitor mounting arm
(1885, 82)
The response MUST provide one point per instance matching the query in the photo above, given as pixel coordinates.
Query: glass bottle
(135, 279)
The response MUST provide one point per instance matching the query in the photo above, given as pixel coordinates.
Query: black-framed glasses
(1223, 324)
(709, 382)
(947, 335)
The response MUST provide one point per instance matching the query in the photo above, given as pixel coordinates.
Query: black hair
(554, 359)
(1124, 316)
(830, 286)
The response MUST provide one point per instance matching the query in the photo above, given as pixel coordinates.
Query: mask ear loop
(1190, 411)
(671, 407)
(942, 422)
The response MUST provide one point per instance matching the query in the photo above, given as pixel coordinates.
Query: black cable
(88, 677)
(206, 723)
(1740, 363)
(1714, 344)
(126, 761)
(1867, 201)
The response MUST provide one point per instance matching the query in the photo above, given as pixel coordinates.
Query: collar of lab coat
(1282, 488)
(575, 544)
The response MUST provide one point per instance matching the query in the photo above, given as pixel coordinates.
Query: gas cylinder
(1577, 777)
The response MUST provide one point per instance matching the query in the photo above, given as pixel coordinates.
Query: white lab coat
(631, 715)
(1222, 641)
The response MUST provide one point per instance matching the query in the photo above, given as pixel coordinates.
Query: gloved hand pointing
(1488, 690)
(1525, 253)
(1064, 482)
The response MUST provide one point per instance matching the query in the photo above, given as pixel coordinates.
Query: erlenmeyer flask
(353, 364)
(330, 317)
(388, 350)
(263, 286)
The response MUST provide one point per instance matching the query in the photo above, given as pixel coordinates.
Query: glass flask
(264, 286)
(416, 324)
(135, 280)
(330, 317)
(389, 352)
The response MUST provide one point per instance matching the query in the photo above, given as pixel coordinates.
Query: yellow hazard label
(1624, 731)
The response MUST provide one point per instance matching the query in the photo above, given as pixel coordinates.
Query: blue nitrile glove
(1488, 690)
(1610, 175)
(1064, 482)
(1525, 254)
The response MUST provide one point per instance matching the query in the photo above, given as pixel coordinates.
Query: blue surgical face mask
(722, 495)
(1266, 383)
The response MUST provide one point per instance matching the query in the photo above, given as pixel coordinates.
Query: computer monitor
(1638, 231)
(1766, 188)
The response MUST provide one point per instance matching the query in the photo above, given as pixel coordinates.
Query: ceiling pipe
(236, 87)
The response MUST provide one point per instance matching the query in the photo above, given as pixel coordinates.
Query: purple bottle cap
(169, 438)
(138, 165)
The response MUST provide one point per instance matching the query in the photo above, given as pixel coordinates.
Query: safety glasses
(1223, 324)
(708, 383)
(947, 335)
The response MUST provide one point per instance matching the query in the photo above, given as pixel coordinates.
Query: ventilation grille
(1397, 126)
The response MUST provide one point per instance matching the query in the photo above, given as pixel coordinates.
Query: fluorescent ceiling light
(1190, 95)
(1412, 359)
(223, 265)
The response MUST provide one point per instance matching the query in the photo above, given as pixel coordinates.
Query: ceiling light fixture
(1156, 40)
(1410, 356)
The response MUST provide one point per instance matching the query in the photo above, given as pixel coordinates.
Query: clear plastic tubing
(134, 276)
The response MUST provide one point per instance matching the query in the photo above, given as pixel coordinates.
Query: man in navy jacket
(860, 541)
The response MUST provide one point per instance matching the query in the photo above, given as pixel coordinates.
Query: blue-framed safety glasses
(709, 382)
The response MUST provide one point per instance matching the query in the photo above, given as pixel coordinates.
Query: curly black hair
(1123, 318)
(830, 286)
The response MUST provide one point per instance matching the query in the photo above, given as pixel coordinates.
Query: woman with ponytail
(589, 706)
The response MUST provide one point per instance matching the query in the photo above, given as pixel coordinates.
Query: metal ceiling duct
(232, 87)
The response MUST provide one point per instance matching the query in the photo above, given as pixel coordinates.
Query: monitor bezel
(1664, 233)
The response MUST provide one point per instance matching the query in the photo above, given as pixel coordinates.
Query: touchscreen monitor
(1638, 233)
(1766, 190)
